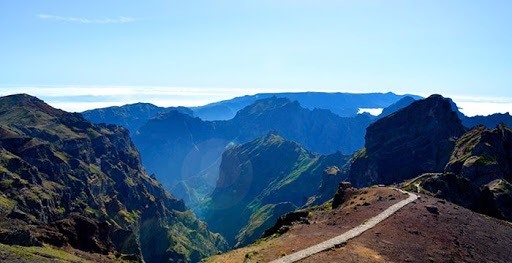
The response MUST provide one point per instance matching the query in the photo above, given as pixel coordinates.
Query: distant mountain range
(185, 152)
(131, 116)
(342, 104)
(134, 116)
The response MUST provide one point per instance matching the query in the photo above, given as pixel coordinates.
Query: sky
(88, 53)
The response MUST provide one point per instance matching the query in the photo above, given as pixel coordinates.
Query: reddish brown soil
(413, 234)
(324, 224)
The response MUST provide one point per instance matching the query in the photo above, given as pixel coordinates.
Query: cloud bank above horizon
(78, 99)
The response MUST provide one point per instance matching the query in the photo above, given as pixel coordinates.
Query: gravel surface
(354, 232)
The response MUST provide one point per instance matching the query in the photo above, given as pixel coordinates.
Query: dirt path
(354, 232)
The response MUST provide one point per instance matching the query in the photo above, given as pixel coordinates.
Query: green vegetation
(50, 169)
(37, 254)
(302, 165)
(61, 156)
(486, 160)
(6, 183)
(6, 204)
(361, 154)
(284, 175)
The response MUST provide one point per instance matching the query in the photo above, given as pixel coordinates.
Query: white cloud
(372, 111)
(82, 20)
(73, 98)
(472, 106)
(80, 98)
(59, 91)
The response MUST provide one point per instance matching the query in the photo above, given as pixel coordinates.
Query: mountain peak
(414, 140)
(273, 136)
(20, 100)
(27, 102)
(268, 105)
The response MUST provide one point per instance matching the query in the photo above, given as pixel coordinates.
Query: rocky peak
(482, 151)
(417, 139)
(433, 114)
(479, 173)
(402, 103)
(18, 102)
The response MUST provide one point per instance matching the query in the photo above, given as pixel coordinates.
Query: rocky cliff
(414, 140)
(479, 173)
(66, 182)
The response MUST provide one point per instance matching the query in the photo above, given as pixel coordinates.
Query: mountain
(67, 184)
(414, 140)
(318, 130)
(402, 103)
(426, 230)
(265, 178)
(130, 116)
(185, 152)
(479, 173)
(342, 104)
(489, 121)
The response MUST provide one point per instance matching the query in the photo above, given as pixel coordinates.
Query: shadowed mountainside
(489, 121)
(67, 182)
(185, 152)
(414, 140)
(479, 173)
(131, 116)
(265, 178)
(342, 104)
(402, 103)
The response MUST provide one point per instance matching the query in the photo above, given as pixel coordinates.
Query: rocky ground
(427, 230)
(323, 223)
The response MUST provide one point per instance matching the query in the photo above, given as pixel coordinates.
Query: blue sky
(459, 48)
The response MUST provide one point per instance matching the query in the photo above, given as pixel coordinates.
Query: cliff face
(407, 143)
(479, 173)
(264, 179)
(65, 181)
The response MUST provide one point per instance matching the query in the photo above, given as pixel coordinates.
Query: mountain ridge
(67, 182)
(262, 179)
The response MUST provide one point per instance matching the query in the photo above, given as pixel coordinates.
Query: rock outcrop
(479, 173)
(415, 140)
